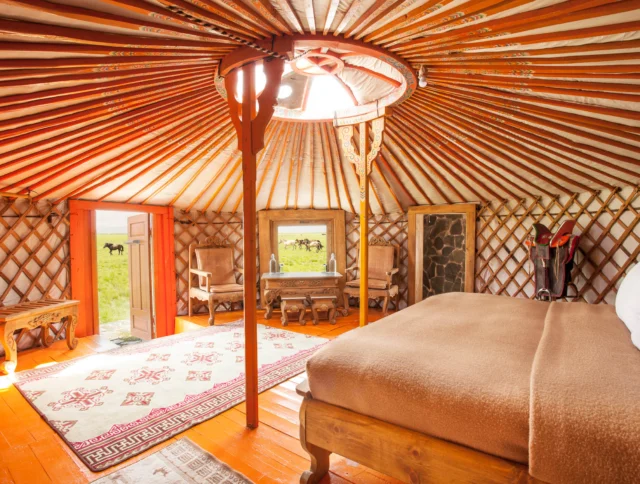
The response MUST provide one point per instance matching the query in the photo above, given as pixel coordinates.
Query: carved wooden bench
(326, 304)
(30, 315)
(293, 305)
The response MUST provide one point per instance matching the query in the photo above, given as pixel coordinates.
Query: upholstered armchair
(383, 265)
(215, 273)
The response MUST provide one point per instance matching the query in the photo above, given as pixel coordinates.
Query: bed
(479, 388)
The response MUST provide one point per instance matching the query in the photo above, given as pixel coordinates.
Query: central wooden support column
(363, 159)
(250, 126)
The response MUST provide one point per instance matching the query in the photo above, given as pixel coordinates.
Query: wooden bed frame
(395, 451)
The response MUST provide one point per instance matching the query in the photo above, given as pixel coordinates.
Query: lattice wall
(34, 254)
(196, 226)
(607, 221)
(393, 228)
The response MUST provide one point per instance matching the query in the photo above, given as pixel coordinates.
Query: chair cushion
(218, 261)
(373, 283)
(224, 288)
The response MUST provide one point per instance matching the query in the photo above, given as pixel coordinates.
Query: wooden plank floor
(32, 453)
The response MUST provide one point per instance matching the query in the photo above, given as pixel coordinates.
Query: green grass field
(300, 260)
(113, 279)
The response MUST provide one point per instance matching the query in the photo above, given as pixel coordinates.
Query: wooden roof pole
(250, 127)
(363, 160)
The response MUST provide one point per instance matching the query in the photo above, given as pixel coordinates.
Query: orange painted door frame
(84, 277)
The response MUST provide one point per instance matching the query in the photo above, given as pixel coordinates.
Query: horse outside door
(140, 301)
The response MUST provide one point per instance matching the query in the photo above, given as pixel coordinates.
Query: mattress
(455, 366)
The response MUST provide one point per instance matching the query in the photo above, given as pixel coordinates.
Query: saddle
(552, 255)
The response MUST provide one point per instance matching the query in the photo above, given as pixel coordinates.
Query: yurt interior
(351, 241)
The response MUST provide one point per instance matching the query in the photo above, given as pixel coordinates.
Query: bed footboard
(395, 451)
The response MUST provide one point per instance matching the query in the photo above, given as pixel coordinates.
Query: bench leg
(285, 316)
(72, 322)
(10, 349)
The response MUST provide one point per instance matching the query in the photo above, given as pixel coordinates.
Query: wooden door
(140, 300)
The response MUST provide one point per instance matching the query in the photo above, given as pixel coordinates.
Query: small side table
(293, 305)
(326, 304)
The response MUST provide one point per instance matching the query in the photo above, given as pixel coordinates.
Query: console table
(300, 284)
(30, 315)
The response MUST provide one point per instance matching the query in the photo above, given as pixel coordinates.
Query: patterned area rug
(113, 405)
(182, 462)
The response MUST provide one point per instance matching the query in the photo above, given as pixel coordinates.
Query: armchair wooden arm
(200, 273)
(390, 277)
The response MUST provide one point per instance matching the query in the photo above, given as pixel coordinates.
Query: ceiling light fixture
(422, 76)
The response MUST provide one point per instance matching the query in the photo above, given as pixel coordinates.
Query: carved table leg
(72, 322)
(302, 318)
(332, 314)
(45, 335)
(10, 349)
(269, 309)
(285, 316)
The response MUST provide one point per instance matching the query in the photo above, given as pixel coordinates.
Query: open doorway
(124, 268)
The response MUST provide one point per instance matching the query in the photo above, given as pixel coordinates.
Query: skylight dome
(327, 79)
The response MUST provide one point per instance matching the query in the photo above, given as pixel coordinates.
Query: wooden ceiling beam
(88, 110)
(378, 75)
(211, 11)
(179, 143)
(518, 150)
(240, 9)
(541, 143)
(62, 169)
(211, 157)
(85, 132)
(310, 15)
(103, 38)
(290, 13)
(336, 152)
(100, 18)
(94, 63)
(331, 15)
(565, 144)
(476, 172)
(442, 20)
(413, 48)
(218, 17)
(456, 137)
(89, 141)
(524, 109)
(222, 134)
(278, 163)
(497, 149)
(363, 19)
(145, 151)
(447, 165)
(271, 15)
(524, 55)
(50, 97)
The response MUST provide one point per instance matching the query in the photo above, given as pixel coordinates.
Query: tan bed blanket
(455, 366)
(585, 398)
(556, 385)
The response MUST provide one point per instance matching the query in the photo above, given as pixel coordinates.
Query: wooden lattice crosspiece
(363, 158)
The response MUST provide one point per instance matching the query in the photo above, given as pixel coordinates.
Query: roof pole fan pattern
(116, 100)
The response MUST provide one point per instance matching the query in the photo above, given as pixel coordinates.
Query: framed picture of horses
(301, 240)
